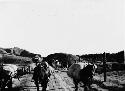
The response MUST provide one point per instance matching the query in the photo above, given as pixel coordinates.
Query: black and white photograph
(62, 45)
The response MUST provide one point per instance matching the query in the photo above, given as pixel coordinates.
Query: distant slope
(15, 55)
(16, 51)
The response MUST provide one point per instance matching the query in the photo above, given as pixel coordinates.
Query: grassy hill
(15, 55)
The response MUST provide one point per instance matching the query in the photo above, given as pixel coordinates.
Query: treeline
(64, 58)
(18, 55)
(110, 57)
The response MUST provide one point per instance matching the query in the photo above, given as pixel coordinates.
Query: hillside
(15, 55)
(16, 51)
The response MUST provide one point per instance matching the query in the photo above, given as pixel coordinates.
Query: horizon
(68, 26)
(65, 52)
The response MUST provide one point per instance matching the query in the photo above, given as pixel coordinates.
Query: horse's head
(91, 68)
(44, 65)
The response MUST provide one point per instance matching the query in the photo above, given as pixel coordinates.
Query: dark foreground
(61, 82)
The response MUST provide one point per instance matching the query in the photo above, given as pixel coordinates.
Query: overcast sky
(69, 26)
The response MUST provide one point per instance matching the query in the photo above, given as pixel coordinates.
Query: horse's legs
(3, 84)
(87, 83)
(76, 84)
(10, 83)
(37, 85)
(44, 85)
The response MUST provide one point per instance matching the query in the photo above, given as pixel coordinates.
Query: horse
(41, 75)
(82, 72)
(7, 72)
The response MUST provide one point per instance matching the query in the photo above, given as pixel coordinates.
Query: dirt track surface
(58, 82)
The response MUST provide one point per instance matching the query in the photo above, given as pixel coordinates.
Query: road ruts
(63, 84)
(58, 82)
(68, 83)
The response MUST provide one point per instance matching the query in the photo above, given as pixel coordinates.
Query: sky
(69, 26)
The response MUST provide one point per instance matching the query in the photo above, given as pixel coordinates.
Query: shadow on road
(20, 88)
(14, 89)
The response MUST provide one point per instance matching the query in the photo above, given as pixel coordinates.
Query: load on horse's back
(11, 68)
(7, 72)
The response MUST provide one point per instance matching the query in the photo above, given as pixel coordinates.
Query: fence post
(104, 66)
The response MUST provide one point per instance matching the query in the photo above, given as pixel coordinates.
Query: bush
(117, 67)
(111, 67)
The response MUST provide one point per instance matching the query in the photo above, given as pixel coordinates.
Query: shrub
(118, 66)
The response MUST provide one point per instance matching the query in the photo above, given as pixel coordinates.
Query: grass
(115, 81)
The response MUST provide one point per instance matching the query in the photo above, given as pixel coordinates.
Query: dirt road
(59, 82)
